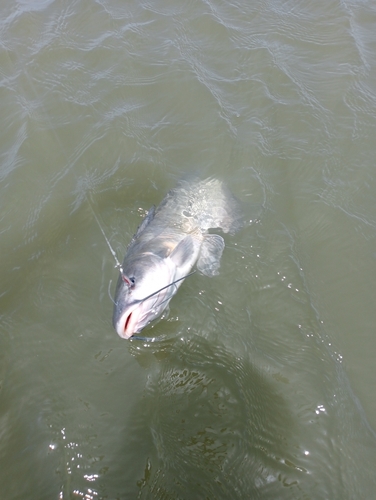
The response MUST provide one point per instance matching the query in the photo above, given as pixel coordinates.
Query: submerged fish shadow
(212, 425)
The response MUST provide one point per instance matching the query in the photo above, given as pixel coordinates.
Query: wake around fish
(170, 240)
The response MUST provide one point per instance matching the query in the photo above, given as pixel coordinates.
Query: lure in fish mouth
(168, 243)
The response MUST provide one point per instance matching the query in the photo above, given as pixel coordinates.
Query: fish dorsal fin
(210, 254)
(183, 251)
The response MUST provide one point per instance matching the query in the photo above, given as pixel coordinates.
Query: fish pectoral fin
(210, 254)
(183, 251)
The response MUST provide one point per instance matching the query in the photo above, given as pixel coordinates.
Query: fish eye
(130, 281)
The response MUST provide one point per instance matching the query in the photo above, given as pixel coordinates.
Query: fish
(169, 242)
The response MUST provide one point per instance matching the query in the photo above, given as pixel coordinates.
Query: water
(263, 383)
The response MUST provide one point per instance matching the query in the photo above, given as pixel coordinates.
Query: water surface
(262, 385)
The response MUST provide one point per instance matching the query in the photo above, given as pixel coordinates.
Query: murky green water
(263, 385)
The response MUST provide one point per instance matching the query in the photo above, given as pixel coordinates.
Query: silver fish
(170, 240)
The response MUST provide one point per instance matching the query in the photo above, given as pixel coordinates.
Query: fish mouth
(140, 313)
(133, 321)
(127, 321)
(127, 324)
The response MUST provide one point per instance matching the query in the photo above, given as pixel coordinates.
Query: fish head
(138, 297)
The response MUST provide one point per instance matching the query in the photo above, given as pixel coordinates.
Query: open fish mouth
(127, 321)
(136, 318)
(127, 324)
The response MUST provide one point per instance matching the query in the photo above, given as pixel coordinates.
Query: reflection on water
(260, 380)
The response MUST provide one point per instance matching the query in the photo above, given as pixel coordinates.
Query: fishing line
(155, 339)
(118, 265)
(163, 288)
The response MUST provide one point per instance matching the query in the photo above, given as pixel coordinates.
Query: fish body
(170, 240)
